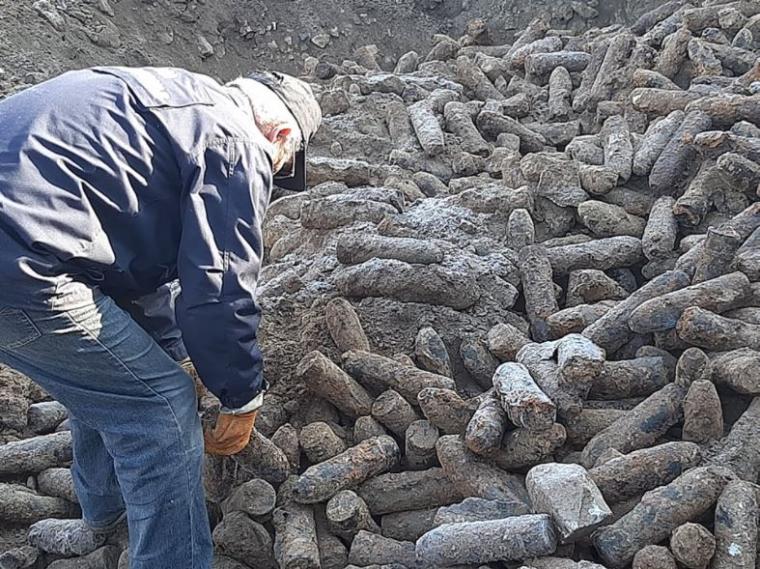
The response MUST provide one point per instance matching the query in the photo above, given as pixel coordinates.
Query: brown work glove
(189, 368)
(231, 434)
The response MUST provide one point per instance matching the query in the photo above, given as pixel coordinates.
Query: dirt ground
(224, 38)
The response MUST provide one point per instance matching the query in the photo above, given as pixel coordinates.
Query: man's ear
(279, 134)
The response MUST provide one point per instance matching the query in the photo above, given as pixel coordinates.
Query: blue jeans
(138, 444)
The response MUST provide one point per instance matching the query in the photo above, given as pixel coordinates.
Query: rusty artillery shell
(538, 288)
(459, 122)
(601, 254)
(737, 369)
(535, 30)
(286, 439)
(492, 124)
(688, 496)
(520, 229)
(409, 490)
(659, 238)
(736, 530)
(611, 331)
(367, 427)
(473, 78)
(429, 284)
(576, 318)
(740, 450)
(588, 152)
(560, 93)
(373, 369)
(703, 415)
(353, 249)
(744, 223)
(569, 496)
(426, 127)
(522, 448)
(588, 423)
(541, 45)
(20, 557)
(608, 220)
(714, 332)
(347, 470)
(295, 543)
(260, 459)
(655, 140)
(562, 562)
(476, 477)
(394, 412)
(718, 251)
(649, 79)
(370, 548)
(20, 505)
(630, 378)
(36, 454)
(505, 340)
(582, 96)
(478, 361)
(400, 126)
(597, 180)
(526, 405)
(477, 510)
(512, 538)
(257, 498)
(633, 474)
(640, 427)
(332, 553)
(679, 155)
(409, 525)
(662, 313)
(327, 380)
(652, 17)
(691, 207)
(661, 101)
(539, 359)
(579, 361)
(319, 442)
(445, 409)
(431, 353)
(487, 426)
(347, 513)
(654, 557)
(618, 150)
(673, 54)
(344, 326)
(615, 58)
(542, 64)
(330, 212)
(58, 483)
(419, 445)
(239, 537)
(692, 545)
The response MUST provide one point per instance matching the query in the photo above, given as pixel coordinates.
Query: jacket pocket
(16, 329)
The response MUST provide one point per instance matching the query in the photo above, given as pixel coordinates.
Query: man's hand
(189, 368)
(231, 434)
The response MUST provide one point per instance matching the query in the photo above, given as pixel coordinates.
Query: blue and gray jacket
(129, 179)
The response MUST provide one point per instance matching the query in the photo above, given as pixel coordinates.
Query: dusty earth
(39, 39)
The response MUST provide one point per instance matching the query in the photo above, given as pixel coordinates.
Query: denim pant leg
(94, 359)
(95, 477)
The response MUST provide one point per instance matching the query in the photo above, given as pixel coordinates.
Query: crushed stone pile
(515, 323)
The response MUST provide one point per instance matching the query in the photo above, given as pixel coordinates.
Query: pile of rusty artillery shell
(515, 321)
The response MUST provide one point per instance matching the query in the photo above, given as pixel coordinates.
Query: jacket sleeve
(155, 313)
(219, 258)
